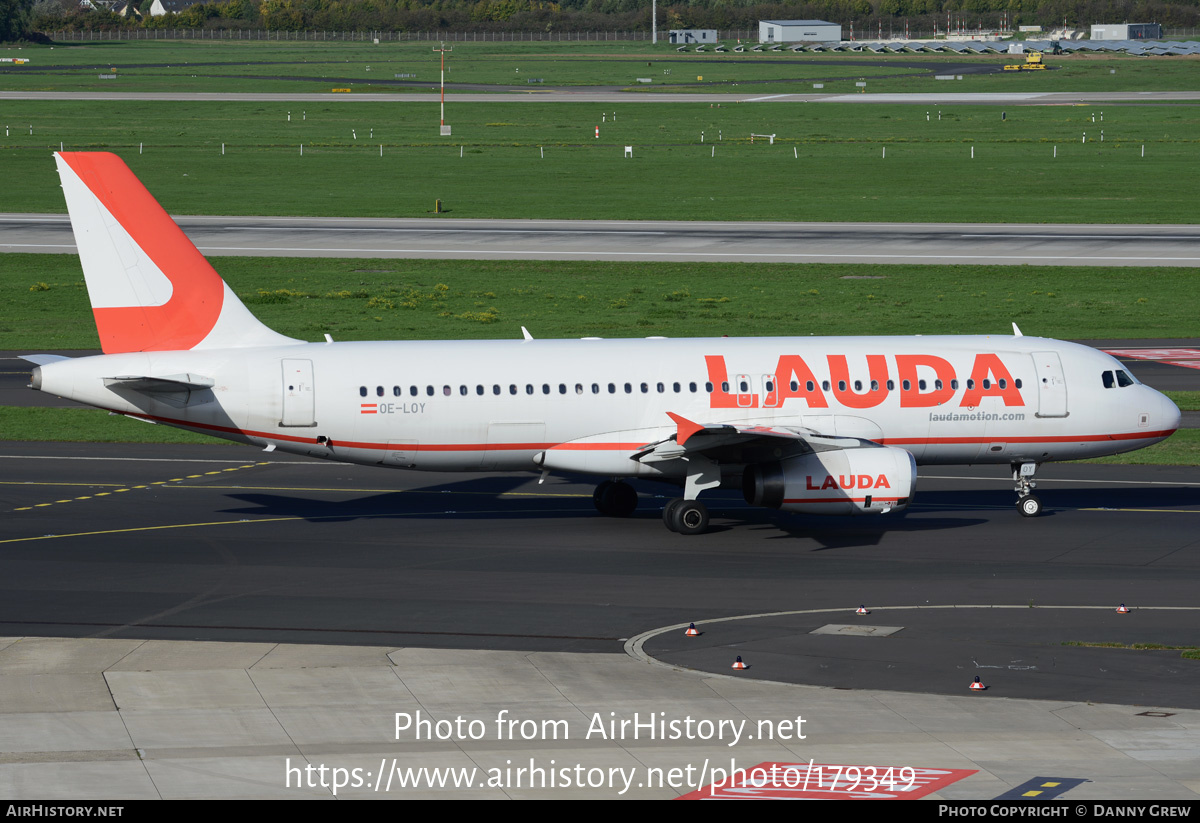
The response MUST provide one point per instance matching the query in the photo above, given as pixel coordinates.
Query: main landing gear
(615, 498)
(685, 516)
(1028, 503)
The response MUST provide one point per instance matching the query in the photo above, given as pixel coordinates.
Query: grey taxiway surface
(193, 621)
(966, 243)
(317, 600)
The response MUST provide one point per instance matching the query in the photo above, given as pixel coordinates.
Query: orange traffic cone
(861, 610)
(977, 686)
(692, 631)
(1122, 610)
(738, 664)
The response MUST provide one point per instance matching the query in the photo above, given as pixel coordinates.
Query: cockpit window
(1117, 379)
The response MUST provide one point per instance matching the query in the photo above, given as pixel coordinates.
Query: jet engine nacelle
(841, 481)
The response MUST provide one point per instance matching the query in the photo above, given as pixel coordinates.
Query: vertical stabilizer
(150, 288)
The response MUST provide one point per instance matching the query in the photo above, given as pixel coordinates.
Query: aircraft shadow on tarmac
(489, 499)
(1064, 498)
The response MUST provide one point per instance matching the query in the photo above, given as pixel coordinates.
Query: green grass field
(827, 162)
(46, 303)
(234, 66)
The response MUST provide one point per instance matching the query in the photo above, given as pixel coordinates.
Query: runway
(917, 243)
(608, 95)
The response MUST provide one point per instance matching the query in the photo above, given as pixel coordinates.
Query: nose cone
(1169, 416)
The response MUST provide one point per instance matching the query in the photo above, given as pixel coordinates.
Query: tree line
(18, 18)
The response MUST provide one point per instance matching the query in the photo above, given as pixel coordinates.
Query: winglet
(686, 427)
(1016, 331)
(525, 333)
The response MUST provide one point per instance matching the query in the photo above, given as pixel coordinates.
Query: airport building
(680, 36)
(1127, 31)
(798, 31)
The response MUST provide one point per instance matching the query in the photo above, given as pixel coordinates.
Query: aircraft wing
(731, 443)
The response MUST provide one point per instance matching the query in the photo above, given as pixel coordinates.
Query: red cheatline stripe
(597, 446)
(446, 447)
(874, 499)
(1082, 438)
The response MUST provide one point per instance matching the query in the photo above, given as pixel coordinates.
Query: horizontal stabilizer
(167, 383)
(43, 359)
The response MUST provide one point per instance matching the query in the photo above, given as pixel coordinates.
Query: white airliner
(826, 425)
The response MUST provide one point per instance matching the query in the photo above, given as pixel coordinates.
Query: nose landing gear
(1028, 503)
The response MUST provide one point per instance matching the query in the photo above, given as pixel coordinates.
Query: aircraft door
(744, 391)
(299, 399)
(770, 392)
(1052, 385)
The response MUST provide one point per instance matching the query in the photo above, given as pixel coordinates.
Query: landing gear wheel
(669, 513)
(691, 517)
(600, 496)
(623, 499)
(615, 499)
(1029, 506)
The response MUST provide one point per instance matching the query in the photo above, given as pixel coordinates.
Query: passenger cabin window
(362, 391)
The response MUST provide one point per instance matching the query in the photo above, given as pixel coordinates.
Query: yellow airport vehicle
(1033, 62)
